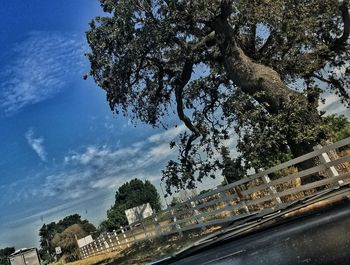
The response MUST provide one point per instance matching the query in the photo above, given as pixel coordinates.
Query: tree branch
(344, 8)
(252, 37)
(267, 43)
(180, 83)
(335, 83)
(207, 41)
(226, 8)
(321, 78)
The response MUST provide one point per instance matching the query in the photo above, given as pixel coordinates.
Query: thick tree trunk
(265, 85)
(255, 79)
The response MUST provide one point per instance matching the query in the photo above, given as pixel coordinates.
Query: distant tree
(136, 192)
(88, 227)
(339, 127)
(205, 191)
(46, 234)
(48, 231)
(115, 218)
(232, 169)
(67, 241)
(4, 253)
(129, 195)
(257, 67)
(68, 221)
(175, 201)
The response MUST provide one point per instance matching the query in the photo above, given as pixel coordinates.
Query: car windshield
(174, 132)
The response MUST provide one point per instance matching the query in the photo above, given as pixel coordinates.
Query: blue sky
(62, 150)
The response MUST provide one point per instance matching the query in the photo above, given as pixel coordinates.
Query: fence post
(95, 247)
(241, 199)
(177, 226)
(99, 243)
(272, 189)
(196, 212)
(227, 202)
(159, 228)
(105, 243)
(132, 232)
(110, 241)
(126, 240)
(82, 254)
(117, 237)
(89, 251)
(144, 228)
(92, 250)
(331, 171)
(85, 251)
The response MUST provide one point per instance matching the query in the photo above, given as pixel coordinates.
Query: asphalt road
(322, 238)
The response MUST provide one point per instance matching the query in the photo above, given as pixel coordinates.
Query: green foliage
(46, 257)
(263, 138)
(115, 218)
(136, 192)
(232, 169)
(4, 253)
(339, 127)
(197, 59)
(48, 232)
(129, 195)
(204, 191)
(175, 201)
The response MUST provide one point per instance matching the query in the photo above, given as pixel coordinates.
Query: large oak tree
(254, 66)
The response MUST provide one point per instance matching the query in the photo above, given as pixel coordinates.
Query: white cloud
(92, 170)
(86, 179)
(341, 70)
(162, 150)
(100, 168)
(42, 65)
(37, 144)
(99, 155)
(106, 167)
(168, 135)
(333, 105)
(95, 170)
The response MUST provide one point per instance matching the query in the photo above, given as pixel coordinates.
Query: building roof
(21, 251)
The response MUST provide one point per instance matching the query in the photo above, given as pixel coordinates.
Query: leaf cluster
(338, 127)
(4, 254)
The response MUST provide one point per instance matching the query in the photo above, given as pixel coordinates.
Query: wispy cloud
(94, 169)
(167, 135)
(97, 169)
(37, 144)
(333, 105)
(85, 179)
(41, 66)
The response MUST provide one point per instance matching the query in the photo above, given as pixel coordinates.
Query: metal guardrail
(248, 196)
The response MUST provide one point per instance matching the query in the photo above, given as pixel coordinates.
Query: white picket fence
(254, 194)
